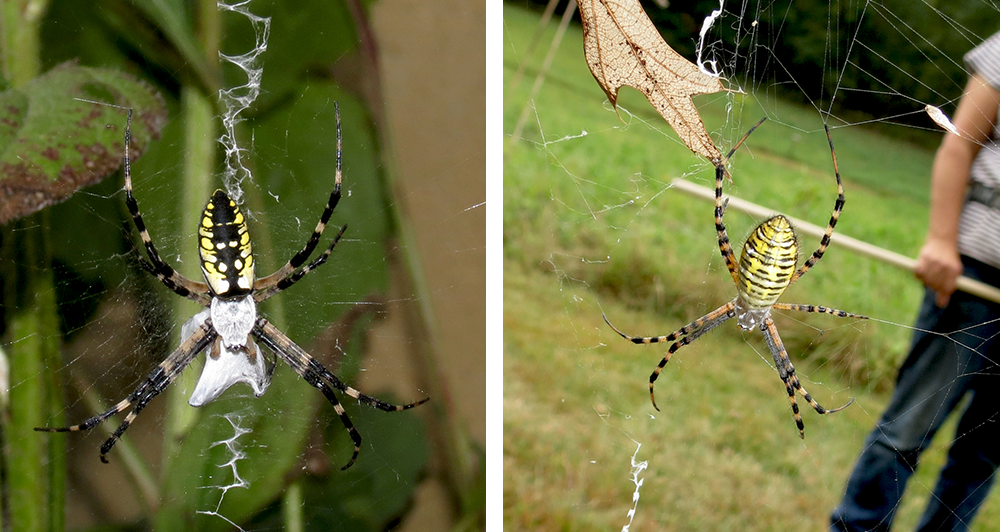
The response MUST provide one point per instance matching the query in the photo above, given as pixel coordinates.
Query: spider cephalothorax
(230, 325)
(767, 266)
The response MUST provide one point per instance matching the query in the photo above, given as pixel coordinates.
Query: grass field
(591, 225)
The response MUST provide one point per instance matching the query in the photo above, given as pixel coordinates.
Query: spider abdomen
(224, 246)
(767, 263)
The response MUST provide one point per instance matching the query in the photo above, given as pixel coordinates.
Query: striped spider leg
(156, 382)
(315, 374)
(766, 267)
(229, 323)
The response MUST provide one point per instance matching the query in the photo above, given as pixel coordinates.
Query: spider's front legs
(155, 265)
(720, 207)
(268, 286)
(787, 373)
(838, 206)
(725, 247)
(156, 382)
(294, 275)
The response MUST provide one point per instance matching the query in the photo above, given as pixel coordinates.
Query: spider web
(134, 326)
(233, 447)
(235, 100)
(592, 224)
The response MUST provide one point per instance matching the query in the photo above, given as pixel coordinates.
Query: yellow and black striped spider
(230, 323)
(766, 267)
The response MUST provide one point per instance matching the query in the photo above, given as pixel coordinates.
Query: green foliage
(290, 138)
(51, 145)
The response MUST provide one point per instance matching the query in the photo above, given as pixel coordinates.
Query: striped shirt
(979, 226)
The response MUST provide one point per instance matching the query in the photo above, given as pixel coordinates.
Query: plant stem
(36, 489)
(291, 507)
(35, 463)
(19, 23)
(199, 156)
(457, 451)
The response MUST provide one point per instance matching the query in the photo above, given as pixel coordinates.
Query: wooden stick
(965, 284)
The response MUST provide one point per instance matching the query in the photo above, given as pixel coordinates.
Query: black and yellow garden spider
(230, 323)
(767, 266)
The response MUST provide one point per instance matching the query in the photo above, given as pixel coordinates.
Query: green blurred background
(398, 311)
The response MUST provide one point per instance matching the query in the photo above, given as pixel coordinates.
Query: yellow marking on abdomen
(226, 252)
(767, 263)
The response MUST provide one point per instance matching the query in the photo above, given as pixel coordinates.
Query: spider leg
(683, 331)
(818, 309)
(176, 282)
(837, 207)
(720, 208)
(201, 289)
(294, 277)
(787, 373)
(699, 327)
(317, 375)
(687, 334)
(266, 283)
(155, 383)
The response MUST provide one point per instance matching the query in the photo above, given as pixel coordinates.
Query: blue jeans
(937, 374)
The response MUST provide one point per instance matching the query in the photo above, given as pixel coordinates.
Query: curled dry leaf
(624, 48)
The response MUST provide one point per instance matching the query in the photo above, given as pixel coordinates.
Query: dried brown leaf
(624, 48)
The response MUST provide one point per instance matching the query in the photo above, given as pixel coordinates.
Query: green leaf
(369, 496)
(305, 37)
(52, 144)
(173, 19)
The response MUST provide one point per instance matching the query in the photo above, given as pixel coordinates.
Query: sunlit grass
(591, 225)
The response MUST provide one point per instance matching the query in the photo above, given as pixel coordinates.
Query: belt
(984, 194)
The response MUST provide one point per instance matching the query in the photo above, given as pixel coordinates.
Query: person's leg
(973, 457)
(930, 384)
(972, 461)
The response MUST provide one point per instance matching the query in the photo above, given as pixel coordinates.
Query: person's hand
(939, 266)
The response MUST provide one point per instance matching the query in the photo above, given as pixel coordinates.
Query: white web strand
(237, 99)
(235, 455)
(637, 467)
(705, 26)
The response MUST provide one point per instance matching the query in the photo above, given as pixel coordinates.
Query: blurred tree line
(883, 58)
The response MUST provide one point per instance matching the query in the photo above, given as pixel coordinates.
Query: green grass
(591, 225)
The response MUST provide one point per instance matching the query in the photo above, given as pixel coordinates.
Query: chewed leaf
(623, 47)
(52, 144)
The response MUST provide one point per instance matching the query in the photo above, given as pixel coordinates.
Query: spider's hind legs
(838, 409)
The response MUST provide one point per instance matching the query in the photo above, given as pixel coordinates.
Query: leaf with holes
(624, 48)
(52, 144)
